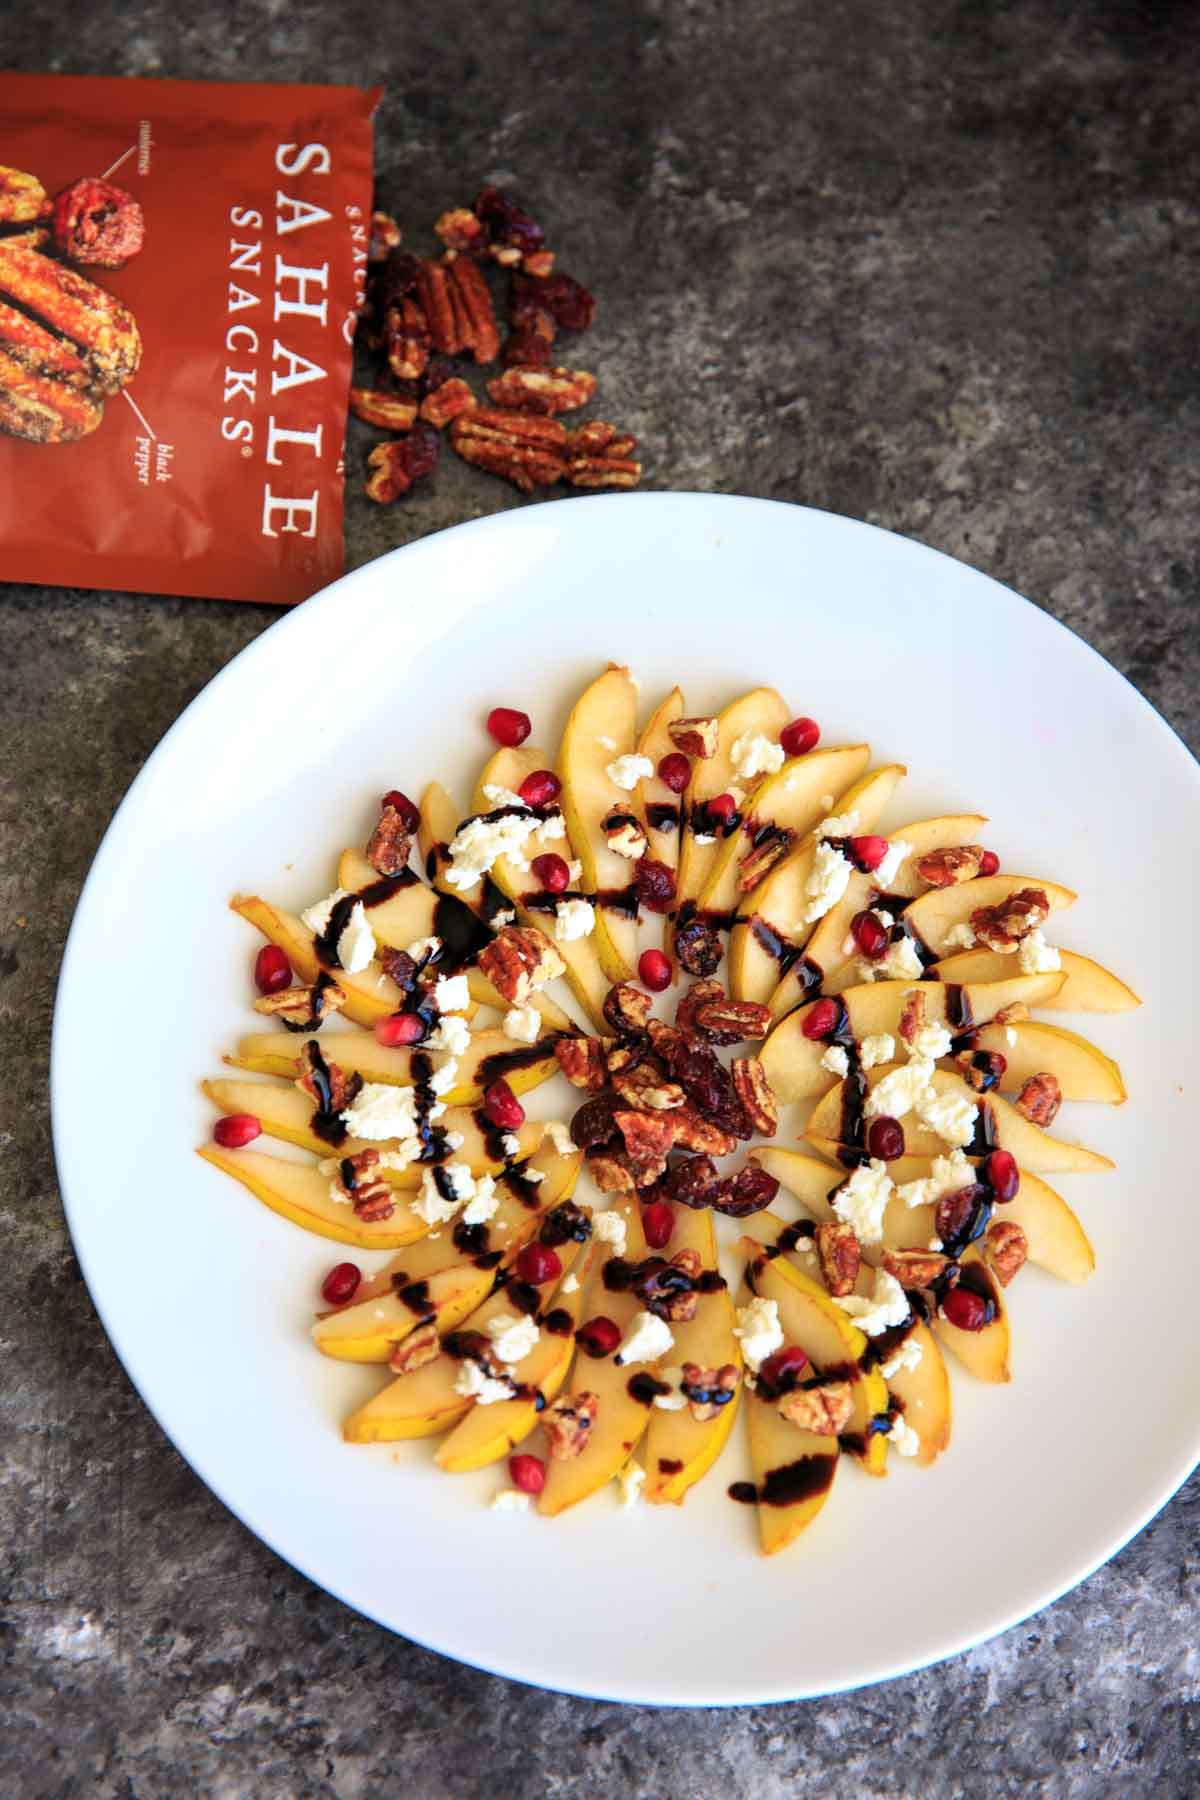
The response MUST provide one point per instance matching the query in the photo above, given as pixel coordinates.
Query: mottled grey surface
(932, 265)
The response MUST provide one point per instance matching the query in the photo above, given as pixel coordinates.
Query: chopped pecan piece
(701, 993)
(449, 401)
(694, 1133)
(663, 1037)
(330, 1087)
(610, 1171)
(758, 863)
(1001, 927)
(825, 1410)
(406, 338)
(980, 1069)
(390, 412)
(645, 1088)
(568, 1423)
(1006, 1248)
(542, 390)
(946, 868)
(648, 1135)
(399, 967)
(303, 1008)
(598, 438)
(367, 1191)
(390, 844)
(912, 1014)
(385, 237)
(526, 450)
(626, 1007)
(1015, 1013)
(915, 1268)
(517, 961)
(460, 229)
(612, 466)
(729, 1021)
(840, 1256)
(413, 1352)
(697, 947)
(752, 1088)
(647, 1173)
(582, 1061)
(475, 316)
(708, 1390)
(695, 737)
(1039, 1099)
(668, 1289)
(625, 837)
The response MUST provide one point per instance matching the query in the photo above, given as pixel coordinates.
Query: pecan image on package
(64, 344)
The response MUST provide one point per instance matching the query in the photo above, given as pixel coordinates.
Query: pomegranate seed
(989, 863)
(885, 1139)
(528, 1473)
(236, 1130)
(658, 1222)
(538, 1263)
(399, 1029)
(966, 1309)
(272, 970)
(341, 1284)
(1002, 1175)
(508, 726)
(541, 788)
(823, 1019)
(868, 852)
(783, 1363)
(552, 872)
(870, 936)
(722, 808)
(675, 771)
(654, 971)
(410, 818)
(502, 1107)
(599, 1336)
(800, 736)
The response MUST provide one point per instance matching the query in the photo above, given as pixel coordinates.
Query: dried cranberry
(1002, 1175)
(870, 936)
(541, 788)
(698, 948)
(552, 872)
(341, 1284)
(599, 1337)
(654, 971)
(885, 1139)
(400, 1029)
(826, 1016)
(961, 1216)
(502, 1107)
(525, 350)
(747, 1192)
(538, 1263)
(801, 736)
(783, 1368)
(593, 1123)
(966, 1309)
(868, 852)
(95, 222)
(567, 300)
(423, 446)
(410, 818)
(272, 970)
(655, 884)
(692, 1182)
(708, 1084)
(236, 1130)
(528, 1473)
(989, 863)
(675, 771)
(396, 280)
(658, 1222)
(437, 372)
(506, 222)
(508, 726)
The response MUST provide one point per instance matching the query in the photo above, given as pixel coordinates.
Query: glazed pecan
(708, 1390)
(730, 1021)
(912, 1014)
(625, 1055)
(915, 1268)
(448, 401)
(697, 947)
(475, 317)
(610, 1171)
(1015, 1013)
(646, 1089)
(701, 993)
(397, 464)
(406, 338)
(582, 1061)
(22, 197)
(303, 1008)
(1006, 1248)
(840, 1256)
(433, 293)
(98, 329)
(1001, 927)
(526, 450)
(598, 455)
(517, 961)
(389, 844)
(757, 865)
(389, 411)
(647, 1172)
(367, 1191)
(1039, 1099)
(330, 1087)
(825, 1410)
(946, 868)
(625, 836)
(385, 237)
(695, 737)
(980, 1069)
(460, 229)
(752, 1088)
(694, 1133)
(663, 1037)
(668, 1289)
(413, 1352)
(568, 1423)
(626, 1007)
(542, 390)
(648, 1135)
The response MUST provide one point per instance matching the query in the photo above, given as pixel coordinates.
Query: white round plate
(384, 680)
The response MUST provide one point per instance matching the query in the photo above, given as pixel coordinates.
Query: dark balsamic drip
(882, 1348)
(710, 1281)
(444, 1184)
(521, 1187)
(541, 813)
(854, 1095)
(834, 1371)
(348, 1174)
(690, 914)
(619, 900)
(558, 1322)
(762, 835)
(618, 1275)
(377, 892)
(432, 1138)
(644, 1388)
(489, 1259)
(984, 1138)
(493, 1138)
(415, 1296)
(325, 943)
(744, 1492)
(797, 1233)
(789, 956)
(705, 823)
(329, 1126)
(922, 949)
(524, 1296)
(506, 1062)
(545, 901)
(976, 1277)
(800, 1480)
(615, 820)
(890, 903)
(669, 1465)
(315, 1018)
(661, 817)
(854, 1443)
(435, 856)
(958, 1007)
(565, 1223)
(493, 901)
(472, 1240)
(462, 932)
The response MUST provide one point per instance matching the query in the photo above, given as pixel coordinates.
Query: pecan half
(1039, 1099)
(626, 1007)
(367, 1191)
(394, 466)
(757, 865)
(406, 338)
(542, 390)
(1015, 1013)
(389, 844)
(449, 401)
(582, 1061)
(946, 868)
(526, 450)
(517, 961)
(646, 1089)
(303, 1008)
(389, 411)
(840, 1256)
(433, 292)
(22, 197)
(609, 465)
(98, 329)
(701, 993)
(1001, 927)
(729, 1021)
(1006, 1248)
(475, 315)
(695, 737)
(460, 229)
(648, 1135)
(413, 1352)
(915, 1268)
(610, 1171)
(694, 1133)
(330, 1087)
(568, 1423)
(708, 1390)
(825, 1410)
(912, 1014)
(752, 1088)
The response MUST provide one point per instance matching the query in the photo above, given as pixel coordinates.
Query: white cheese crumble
(316, 916)
(444, 1077)
(647, 1338)
(501, 796)
(901, 1090)
(609, 1228)
(880, 1047)
(513, 1336)
(675, 1400)
(479, 842)
(573, 919)
(903, 1438)
(946, 1175)
(524, 1023)
(828, 881)
(627, 771)
(560, 1137)
(753, 754)
(704, 837)
(424, 949)
(952, 1116)
(900, 964)
(839, 825)
(932, 1041)
(510, 1500)
(451, 993)
(836, 1061)
(960, 937)
(907, 1356)
(455, 1140)
(452, 1035)
(631, 1480)
(897, 852)
(1034, 954)
(862, 1200)
(483, 1203)
(380, 1110)
(510, 1143)
(570, 1285)
(356, 945)
(431, 1205)
(878, 1312)
(506, 916)
(758, 1329)
(476, 1384)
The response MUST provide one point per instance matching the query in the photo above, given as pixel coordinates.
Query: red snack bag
(180, 264)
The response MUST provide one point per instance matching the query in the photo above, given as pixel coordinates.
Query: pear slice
(679, 1449)
(936, 913)
(278, 1053)
(299, 1192)
(621, 1417)
(792, 800)
(1033, 1148)
(763, 713)
(830, 1339)
(769, 936)
(658, 800)
(284, 1112)
(1081, 1069)
(601, 728)
(826, 945)
(370, 995)
(439, 821)
(924, 1394)
(984, 1353)
(792, 1062)
(1089, 987)
(368, 1331)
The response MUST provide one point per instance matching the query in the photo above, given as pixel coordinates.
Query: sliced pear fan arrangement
(886, 986)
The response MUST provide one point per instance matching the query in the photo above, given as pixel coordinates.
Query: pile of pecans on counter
(423, 321)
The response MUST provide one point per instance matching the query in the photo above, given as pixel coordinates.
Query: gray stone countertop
(930, 264)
